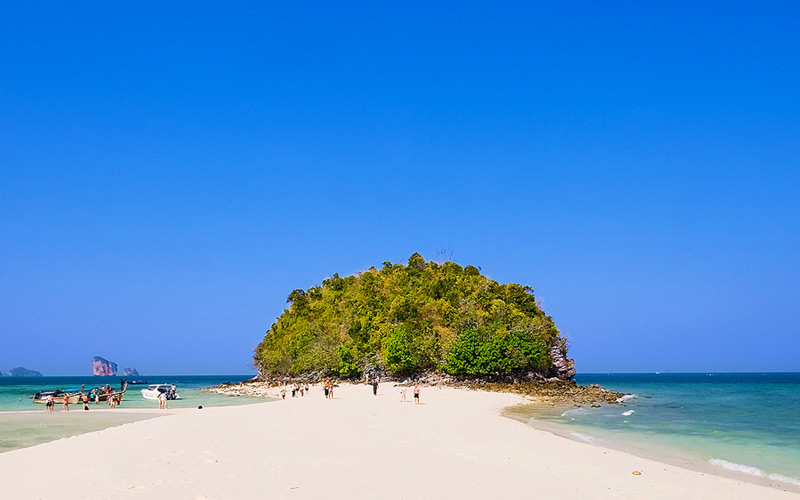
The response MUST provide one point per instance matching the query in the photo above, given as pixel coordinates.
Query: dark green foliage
(407, 319)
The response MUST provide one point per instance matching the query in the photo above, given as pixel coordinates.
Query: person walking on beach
(49, 404)
(375, 387)
(85, 400)
(65, 404)
(403, 393)
(416, 393)
(283, 392)
(162, 401)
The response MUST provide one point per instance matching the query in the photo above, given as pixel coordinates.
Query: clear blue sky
(169, 172)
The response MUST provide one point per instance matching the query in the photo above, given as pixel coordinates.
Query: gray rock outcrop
(130, 372)
(563, 367)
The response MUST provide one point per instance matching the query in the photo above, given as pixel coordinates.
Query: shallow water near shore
(742, 422)
(23, 423)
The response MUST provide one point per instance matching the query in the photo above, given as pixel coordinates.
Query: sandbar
(454, 445)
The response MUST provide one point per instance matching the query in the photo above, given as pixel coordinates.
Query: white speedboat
(155, 390)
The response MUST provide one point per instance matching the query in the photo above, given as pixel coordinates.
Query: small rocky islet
(435, 323)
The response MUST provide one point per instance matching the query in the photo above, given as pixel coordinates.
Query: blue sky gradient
(170, 172)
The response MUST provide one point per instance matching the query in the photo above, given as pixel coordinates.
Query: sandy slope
(355, 446)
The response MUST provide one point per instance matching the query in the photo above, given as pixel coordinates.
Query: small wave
(583, 437)
(628, 413)
(784, 479)
(626, 397)
(754, 471)
(747, 469)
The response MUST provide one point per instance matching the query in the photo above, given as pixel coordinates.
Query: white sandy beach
(454, 445)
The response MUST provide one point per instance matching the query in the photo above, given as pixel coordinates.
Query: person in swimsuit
(416, 394)
(50, 403)
(85, 400)
(65, 404)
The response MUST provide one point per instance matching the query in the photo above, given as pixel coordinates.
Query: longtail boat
(74, 396)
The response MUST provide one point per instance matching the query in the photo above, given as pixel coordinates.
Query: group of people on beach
(404, 388)
(82, 398)
(300, 390)
(297, 389)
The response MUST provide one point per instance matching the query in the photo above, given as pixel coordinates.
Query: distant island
(21, 372)
(420, 318)
(102, 367)
(130, 372)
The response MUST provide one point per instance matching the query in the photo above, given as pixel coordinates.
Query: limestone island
(101, 367)
(423, 321)
(21, 372)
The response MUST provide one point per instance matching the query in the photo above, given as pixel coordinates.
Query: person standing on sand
(403, 394)
(85, 401)
(283, 392)
(49, 404)
(416, 394)
(375, 387)
(65, 404)
(162, 401)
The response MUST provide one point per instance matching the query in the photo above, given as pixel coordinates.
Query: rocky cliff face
(563, 367)
(130, 372)
(102, 367)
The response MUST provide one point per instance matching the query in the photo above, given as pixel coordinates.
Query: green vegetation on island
(410, 319)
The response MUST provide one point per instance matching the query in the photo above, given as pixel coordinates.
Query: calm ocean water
(744, 422)
(23, 423)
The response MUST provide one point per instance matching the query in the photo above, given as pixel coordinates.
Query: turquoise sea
(748, 423)
(23, 423)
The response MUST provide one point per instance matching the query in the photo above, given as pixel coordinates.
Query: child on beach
(403, 394)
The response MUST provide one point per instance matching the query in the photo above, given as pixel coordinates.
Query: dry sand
(454, 445)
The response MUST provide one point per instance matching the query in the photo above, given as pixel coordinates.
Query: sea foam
(754, 471)
(583, 437)
(626, 397)
(628, 413)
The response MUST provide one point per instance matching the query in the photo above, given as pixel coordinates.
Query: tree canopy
(409, 319)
